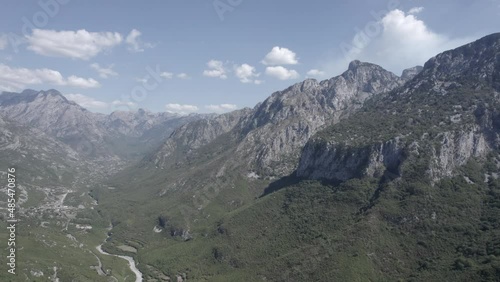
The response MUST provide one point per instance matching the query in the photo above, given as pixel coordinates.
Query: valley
(366, 176)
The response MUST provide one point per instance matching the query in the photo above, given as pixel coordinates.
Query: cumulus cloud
(280, 56)
(181, 109)
(167, 75)
(282, 73)
(316, 73)
(215, 69)
(183, 76)
(124, 104)
(81, 82)
(12, 79)
(397, 41)
(102, 71)
(222, 108)
(79, 44)
(247, 74)
(415, 10)
(134, 43)
(87, 101)
(3, 41)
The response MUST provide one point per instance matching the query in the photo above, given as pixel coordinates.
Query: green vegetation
(388, 227)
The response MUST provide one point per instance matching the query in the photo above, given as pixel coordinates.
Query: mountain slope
(403, 188)
(98, 136)
(269, 137)
(51, 162)
(450, 110)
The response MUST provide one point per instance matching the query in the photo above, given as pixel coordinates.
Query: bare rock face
(410, 73)
(333, 162)
(283, 123)
(185, 140)
(50, 161)
(462, 83)
(268, 138)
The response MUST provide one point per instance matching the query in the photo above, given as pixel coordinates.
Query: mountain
(51, 162)
(267, 139)
(409, 74)
(365, 176)
(94, 135)
(453, 103)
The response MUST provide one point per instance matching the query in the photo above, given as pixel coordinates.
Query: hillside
(400, 185)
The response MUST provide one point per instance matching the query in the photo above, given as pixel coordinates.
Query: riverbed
(131, 263)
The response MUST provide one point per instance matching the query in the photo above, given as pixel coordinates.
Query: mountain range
(366, 176)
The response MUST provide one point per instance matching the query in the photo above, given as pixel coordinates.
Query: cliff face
(268, 138)
(183, 143)
(283, 123)
(446, 115)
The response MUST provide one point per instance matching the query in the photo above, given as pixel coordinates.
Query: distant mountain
(114, 136)
(51, 162)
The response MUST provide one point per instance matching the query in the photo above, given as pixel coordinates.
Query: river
(131, 263)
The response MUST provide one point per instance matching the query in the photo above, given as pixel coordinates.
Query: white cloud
(167, 75)
(142, 80)
(316, 73)
(247, 74)
(118, 103)
(134, 42)
(18, 78)
(415, 10)
(104, 72)
(87, 102)
(82, 82)
(79, 44)
(280, 56)
(181, 109)
(183, 76)
(222, 108)
(282, 73)
(3, 41)
(402, 41)
(215, 69)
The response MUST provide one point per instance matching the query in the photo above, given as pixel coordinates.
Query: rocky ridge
(268, 138)
(463, 82)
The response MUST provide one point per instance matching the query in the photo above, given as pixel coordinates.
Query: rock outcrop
(466, 79)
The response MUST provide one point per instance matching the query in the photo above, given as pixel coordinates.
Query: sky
(205, 56)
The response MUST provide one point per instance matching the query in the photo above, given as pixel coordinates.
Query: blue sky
(218, 55)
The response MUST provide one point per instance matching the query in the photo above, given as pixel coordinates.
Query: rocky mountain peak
(353, 65)
(477, 60)
(362, 145)
(410, 73)
(40, 98)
